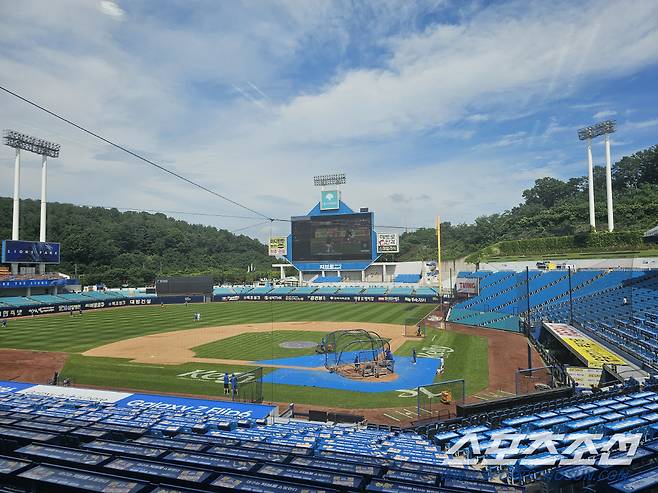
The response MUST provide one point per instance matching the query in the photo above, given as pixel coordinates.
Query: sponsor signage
(585, 377)
(29, 252)
(388, 243)
(67, 306)
(329, 298)
(329, 200)
(225, 409)
(467, 285)
(222, 409)
(31, 283)
(278, 246)
(587, 350)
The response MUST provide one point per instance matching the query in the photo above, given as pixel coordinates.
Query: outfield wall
(67, 307)
(332, 298)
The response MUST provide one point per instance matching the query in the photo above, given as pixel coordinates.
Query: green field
(469, 361)
(259, 346)
(78, 333)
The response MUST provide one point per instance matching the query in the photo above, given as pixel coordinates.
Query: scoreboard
(335, 237)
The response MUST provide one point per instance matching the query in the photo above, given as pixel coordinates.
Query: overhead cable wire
(262, 223)
(166, 170)
(134, 154)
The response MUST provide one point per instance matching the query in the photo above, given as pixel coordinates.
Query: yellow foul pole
(438, 258)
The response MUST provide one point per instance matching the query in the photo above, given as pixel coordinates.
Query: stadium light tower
(46, 149)
(329, 199)
(588, 133)
(324, 180)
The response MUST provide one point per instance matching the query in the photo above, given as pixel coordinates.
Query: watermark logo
(541, 449)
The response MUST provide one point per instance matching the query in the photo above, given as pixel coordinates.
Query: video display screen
(334, 237)
(30, 252)
(184, 285)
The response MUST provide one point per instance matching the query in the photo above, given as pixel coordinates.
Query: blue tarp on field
(408, 375)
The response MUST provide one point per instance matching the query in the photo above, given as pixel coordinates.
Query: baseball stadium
(143, 353)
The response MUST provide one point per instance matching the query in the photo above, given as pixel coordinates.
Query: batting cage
(356, 353)
(249, 387)
(438, 400)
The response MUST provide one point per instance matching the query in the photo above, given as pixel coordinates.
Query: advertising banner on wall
(468, 285)
(388, 243)
(278, 246)
(328, 298)
(163, 403)
(29, 252)
(586, 349)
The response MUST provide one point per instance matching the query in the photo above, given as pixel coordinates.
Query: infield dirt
(175, 348)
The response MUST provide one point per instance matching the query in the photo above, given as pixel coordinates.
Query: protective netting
(438, 400)
(249, 387)
(356, 353)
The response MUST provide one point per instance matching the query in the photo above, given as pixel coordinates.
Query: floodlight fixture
(19, 140)
(334, 179)
(598, 129)
(588, 133)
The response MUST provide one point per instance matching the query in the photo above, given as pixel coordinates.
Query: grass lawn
(78, 333)
(120, 373)
(259, 345)
(82, 332)
(468, 361)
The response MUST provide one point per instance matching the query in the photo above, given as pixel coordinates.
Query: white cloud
(478, 117)
(111, 9)
(507, 140)
(600, 115)
(218, 98)
(643, 124)
(497, 60)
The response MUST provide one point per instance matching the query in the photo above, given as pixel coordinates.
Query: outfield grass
(82, 332)
(468, 361)
(256, 346)
(78, 333)
(120, 373)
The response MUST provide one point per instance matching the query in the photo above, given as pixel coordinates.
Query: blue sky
(430, 107)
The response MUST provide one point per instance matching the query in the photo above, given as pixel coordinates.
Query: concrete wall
(635, 263)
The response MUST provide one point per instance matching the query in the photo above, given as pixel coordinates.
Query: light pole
(588, 133)
(46, 149)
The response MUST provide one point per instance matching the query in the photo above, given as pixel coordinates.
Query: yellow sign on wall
(278, 246)
(590, 352)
